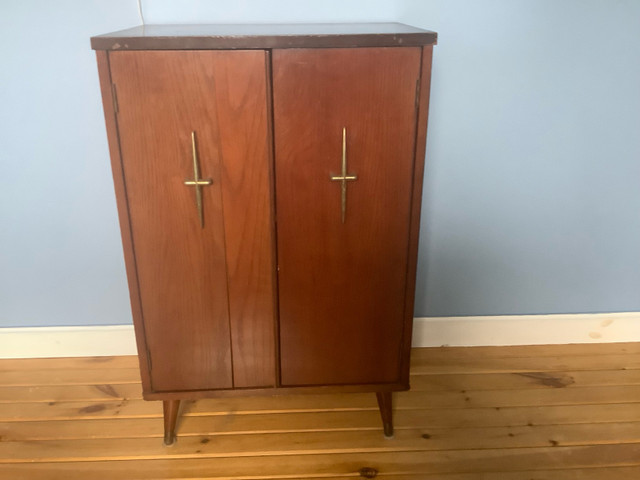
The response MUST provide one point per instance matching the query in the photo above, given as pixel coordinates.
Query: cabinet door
(206, 287)
(342, 283)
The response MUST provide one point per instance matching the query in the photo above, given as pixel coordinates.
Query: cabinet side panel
(163, 97)
(123, 212)
(241, 97)
(416, 204)
(342, 283)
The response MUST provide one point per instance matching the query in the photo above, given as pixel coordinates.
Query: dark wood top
(261, 36)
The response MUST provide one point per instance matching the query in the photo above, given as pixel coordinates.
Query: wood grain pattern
(529, 351)
(592, 473)
(82, 392)
(229, 468)
(451, 401)
(314, 443)
(62, 363)
(523, 364)
(124, 216)
(241, 93)
(215, 284)
(516, 380)
(163, 97)
(71, 376)
(342, 285)
(438, 420)
(420, 147)
(480, 461)
(584, 430)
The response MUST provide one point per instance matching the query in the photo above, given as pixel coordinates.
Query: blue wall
(531, 202)
(60, 255)
(533, 177)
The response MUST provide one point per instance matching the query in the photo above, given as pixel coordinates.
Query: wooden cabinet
(268, 182)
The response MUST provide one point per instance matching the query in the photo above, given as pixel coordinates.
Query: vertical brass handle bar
(197, 182)
(344, 177)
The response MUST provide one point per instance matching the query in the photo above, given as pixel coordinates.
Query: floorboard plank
(437, 365)
(70, 393)
(72, 376)
(518, 398)
(431, 462)
(112, 407)
(570, 350)
(313, 443)
(319, 421)
(595, 473)
(69, 363)
(503, 381)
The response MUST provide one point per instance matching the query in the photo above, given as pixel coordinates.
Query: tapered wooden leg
(170, 409)
(384, 403)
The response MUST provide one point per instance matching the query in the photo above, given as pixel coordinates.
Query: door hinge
(417, 93)
(148, 360)
(114, 96)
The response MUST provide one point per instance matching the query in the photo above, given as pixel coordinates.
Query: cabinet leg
(170, 409)
(384, 403)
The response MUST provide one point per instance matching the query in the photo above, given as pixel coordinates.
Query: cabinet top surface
(262, 36)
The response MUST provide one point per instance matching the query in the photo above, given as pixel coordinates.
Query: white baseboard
(527, 329)
(44, 342)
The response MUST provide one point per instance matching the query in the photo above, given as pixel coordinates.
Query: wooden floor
(541, 412)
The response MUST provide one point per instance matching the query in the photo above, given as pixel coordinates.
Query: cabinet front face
(345, 128)
(195, 155)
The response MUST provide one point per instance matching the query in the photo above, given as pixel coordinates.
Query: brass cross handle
(197, 181)
(344, 177)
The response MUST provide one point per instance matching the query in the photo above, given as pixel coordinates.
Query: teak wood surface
(181, 266)
(420, 146)
(193, 292)
(206, 292)
(342, 285)
(562, 412)
(256, 285)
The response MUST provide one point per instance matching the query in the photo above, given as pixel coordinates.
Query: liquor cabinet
(269, 182)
